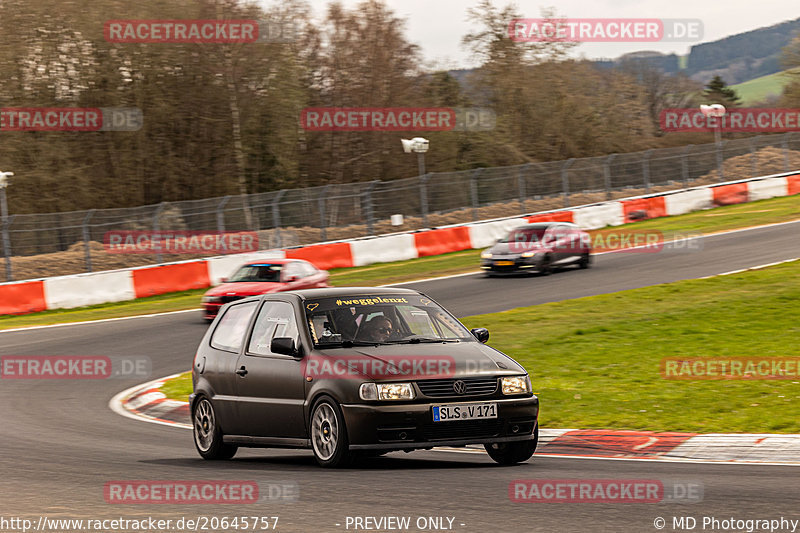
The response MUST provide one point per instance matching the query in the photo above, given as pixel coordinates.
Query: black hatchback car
(356, 371)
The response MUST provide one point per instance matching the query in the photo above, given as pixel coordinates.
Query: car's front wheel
(511, 453)
(207, 435)
(329, 435)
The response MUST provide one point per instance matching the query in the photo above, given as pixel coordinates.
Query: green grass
(179, 388)
(594, 361)
(713, 220)
(758, 89)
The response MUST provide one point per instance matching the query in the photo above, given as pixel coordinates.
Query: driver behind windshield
(378, 329)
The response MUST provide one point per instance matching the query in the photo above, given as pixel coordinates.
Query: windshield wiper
(418, 340)
(345, 344)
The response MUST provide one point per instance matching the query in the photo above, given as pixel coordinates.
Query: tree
(718, 92)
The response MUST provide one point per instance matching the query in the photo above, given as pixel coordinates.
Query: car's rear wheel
(207, 435)
(585, 261)
(511, 453)
(329, 435)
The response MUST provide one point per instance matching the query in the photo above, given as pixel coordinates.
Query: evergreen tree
(718, 92)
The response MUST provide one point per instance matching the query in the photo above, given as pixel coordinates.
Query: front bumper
(411, 426)
(520, 264)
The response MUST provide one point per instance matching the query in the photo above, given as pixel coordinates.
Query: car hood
(505, 248)
(410, 361)
(246, 288)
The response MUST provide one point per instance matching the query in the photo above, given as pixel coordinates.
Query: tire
(329, 434)
(511, 453)
(585, 261)
(545, 268)
(207, 435)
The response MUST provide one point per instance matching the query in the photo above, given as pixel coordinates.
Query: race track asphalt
(60, 444)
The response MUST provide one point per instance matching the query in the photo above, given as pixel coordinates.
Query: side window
(229, 333)
(291, 270)
(276, 319)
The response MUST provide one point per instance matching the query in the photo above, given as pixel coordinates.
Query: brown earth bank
(72, 261)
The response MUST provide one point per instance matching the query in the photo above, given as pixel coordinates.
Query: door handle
(242, 371)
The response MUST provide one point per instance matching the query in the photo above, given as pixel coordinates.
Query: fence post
(276, 217)
(221, 214)
(7, 220)
(323, 195)
(753, 157)
(157, 226)
(607, 174)
(87, 240)
(473, 192)
(521, 185)
(646, 170)
(721, 173)
(685, 165)
(368, 206)
(423, 198)
(786, 151)
(565, 180)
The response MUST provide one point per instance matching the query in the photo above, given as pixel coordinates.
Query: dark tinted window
(265, 272)
(230, 330)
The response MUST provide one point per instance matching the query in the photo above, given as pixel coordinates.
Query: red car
(262, 277)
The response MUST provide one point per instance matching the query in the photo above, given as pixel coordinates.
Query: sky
(437, 26)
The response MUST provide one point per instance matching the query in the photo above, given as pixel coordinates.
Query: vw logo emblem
(459, 387)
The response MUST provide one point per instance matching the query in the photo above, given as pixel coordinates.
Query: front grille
(227, 299)
(467, 429)
(442, 388)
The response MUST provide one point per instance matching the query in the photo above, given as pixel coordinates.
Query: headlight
(486, 255)
(516, 385)
(528, 254)
(211, 299)
(386, 391)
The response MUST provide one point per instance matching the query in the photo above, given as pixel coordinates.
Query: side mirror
(223, 280)
(283, 346)
(290, 279)
(482, 334)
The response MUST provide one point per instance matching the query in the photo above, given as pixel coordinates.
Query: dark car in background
(540, 247)
(263, 277)
(356, 371)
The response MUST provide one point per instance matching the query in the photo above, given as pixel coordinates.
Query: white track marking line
(100, 321)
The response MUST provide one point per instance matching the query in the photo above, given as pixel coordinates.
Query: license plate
(504, 263)
(464, 411)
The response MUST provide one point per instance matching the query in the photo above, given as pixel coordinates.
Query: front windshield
(265, 272)
(382, 319)
(528, 235)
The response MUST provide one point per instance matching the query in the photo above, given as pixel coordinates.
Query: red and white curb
(146, 402)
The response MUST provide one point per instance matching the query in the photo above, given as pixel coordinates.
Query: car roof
(349, 291)
(545, 225)
(276, 261)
